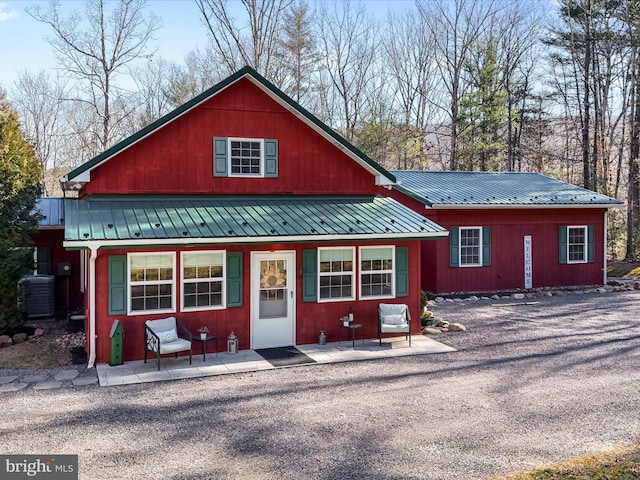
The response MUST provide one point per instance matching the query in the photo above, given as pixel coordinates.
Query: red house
(240, 211)
(508, 231)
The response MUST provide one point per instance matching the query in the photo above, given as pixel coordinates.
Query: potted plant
(426, 318)
(203, 332)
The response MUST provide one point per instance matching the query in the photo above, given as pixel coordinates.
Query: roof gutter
(153, 242)
(466, 206)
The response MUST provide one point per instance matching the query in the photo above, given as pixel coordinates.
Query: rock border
(439, 325)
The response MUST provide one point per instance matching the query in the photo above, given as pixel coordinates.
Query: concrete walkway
(70, 377)
(249, 361)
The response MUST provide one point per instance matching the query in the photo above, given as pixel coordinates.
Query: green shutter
(43, 260)
(562, 242)
(591, 244)
(402, 271)
(310, 275)
(271, 158)
(117, 284)
(454, 247)
(220, 157)
(234, 279)
(486, 246)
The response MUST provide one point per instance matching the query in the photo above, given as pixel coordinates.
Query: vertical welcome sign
(528, 269)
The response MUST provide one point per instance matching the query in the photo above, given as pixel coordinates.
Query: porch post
(92, 305)
(604, 270)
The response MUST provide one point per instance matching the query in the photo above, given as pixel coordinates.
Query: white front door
(273, 281)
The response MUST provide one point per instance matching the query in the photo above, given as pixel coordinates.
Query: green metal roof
(51, 211)
(149, 220)
(495, 189)
(259, 80)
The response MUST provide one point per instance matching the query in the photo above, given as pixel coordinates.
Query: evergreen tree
(19, 186)
(483, 114)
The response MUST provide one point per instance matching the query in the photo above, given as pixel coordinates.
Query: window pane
(151, 303)
(137, 291)
(151, 274)
(151, 290)
(375, 253)
(189, 272)
(216, 271)
(166, 274)
(137, 304)
(137, 274)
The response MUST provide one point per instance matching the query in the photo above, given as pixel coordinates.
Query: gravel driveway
(529, 385)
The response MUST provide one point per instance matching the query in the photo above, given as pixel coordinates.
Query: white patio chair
(394, 318)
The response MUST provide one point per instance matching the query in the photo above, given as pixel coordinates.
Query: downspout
(92, 306)
(604, 271)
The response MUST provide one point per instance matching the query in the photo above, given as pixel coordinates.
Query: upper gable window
(245, 157)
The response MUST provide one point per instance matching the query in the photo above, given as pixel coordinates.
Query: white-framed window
(246, 157)
(336, 274)
(203, 280)
(151, 282)
(577, 244)
(377, 272)
(470, 246)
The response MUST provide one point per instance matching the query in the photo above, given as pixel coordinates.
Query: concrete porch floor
(249, 361)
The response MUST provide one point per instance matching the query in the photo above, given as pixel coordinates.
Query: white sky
(23, 44)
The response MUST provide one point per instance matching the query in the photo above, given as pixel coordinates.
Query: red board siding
(178, 159)
(311, 317)
(508, 229)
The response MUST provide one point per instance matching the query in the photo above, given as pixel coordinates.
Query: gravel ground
(529, 385)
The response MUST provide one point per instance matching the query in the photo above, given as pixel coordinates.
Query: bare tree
(457, 24)
(259, 48)
(97, 47)
(153, 95)
(409, 57)
(40, 105)
(348, 38)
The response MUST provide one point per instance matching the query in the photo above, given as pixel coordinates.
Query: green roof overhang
(105, 221)
(499, 190)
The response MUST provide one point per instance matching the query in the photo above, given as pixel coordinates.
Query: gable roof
(496, 190)
(209, 219)
(51, 210)
(83, 173)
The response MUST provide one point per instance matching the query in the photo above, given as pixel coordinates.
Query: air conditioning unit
(37, 294)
